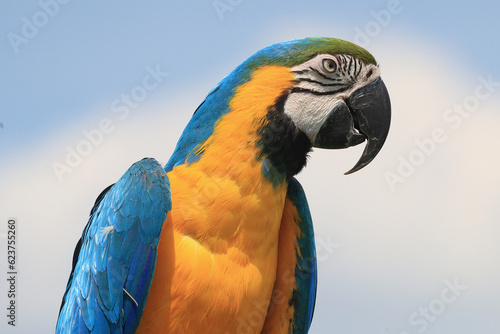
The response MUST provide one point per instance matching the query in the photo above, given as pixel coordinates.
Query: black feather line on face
(339, 82)
(315, 92)
(282, 142)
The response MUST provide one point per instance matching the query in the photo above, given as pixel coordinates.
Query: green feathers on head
(298, 51)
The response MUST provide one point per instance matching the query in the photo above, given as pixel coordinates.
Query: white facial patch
(309, 111)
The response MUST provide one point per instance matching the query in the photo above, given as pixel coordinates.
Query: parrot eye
(329, 65)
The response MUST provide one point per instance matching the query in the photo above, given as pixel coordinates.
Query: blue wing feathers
(117, 254)
(138, 284)
(306, 271)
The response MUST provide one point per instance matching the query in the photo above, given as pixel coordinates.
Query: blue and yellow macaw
(221, 240)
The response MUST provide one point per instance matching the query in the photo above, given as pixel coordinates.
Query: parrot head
(323, 92)
(340, 100)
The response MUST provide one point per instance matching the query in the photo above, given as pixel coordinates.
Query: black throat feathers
(282, 143)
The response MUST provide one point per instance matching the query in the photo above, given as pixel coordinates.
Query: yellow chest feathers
(218, 251)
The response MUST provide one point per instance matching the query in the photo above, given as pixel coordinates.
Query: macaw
(220, 240)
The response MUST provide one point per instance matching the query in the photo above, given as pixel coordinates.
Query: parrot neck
(282, 144)
(254, 122)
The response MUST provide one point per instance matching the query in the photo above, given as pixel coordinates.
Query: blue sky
(393, 238)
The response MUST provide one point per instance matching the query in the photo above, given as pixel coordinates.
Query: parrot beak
(365, 114)
(372, 108)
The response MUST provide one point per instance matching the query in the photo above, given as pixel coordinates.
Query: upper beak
(371, 107)
(365, 114)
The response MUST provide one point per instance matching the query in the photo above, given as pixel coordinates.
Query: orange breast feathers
(218, 251)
